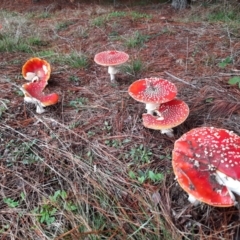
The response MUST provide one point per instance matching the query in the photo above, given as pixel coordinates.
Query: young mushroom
(152, 92)
(111, 59)
(36, 69)
(168, 116)
(33, 94)
(206, 162)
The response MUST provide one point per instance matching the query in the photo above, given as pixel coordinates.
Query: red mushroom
(36, 69)
(111, 59)
(206, 162)
(153, 92)
(33, 94)
(169, 115)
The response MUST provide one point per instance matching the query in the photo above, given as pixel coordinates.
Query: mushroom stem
(39, 107)
(151, 107)
(112, 71)
(193, 200)
(168, 132)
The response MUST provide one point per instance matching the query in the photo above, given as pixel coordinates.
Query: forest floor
(87, 168)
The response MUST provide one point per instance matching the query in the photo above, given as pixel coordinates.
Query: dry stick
(180, 80)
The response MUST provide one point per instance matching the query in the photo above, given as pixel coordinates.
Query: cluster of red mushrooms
(205, 160)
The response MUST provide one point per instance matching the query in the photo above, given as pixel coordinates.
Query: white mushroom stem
(112, 71)
(230, 183)
(168, 132)
(151, 107)
(193, 200)
(38, 104)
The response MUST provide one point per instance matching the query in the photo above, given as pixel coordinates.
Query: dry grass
(67, 174)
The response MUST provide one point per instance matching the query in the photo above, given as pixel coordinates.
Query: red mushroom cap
(36, 67)
(111, 58)
(171, 114)
(198, 154)
(34, 90)
(152, 90)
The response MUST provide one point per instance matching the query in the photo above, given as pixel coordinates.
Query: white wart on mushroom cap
(111, 59)
(206, 162)
(168, 116)
(152, 92)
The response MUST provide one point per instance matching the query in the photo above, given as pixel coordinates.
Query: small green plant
(11, 203)
(36, 41)
(224, 16)
(225, 62)
(155, 177)
(9, 44)
(116, 14)
(107, 126)
(78, 102)
(57, 195)
(141, 176)
(99, 21)
(75, 60)
(25, 152)
(63, 25)
(73, 78)
(136, 15)
(46, 214)
(234, 80)
(137, 40)
(134, 68)
(140, 153)
(4, 228)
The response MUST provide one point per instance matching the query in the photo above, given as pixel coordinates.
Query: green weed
(10, 202)
(74, 60)
(78, 102)
(134, 68)
(142, 176)
(99, 21)
(24, 152)
(136, 15)
(234, 80)
(46, 214)
(139, 154)
(36, 41)
(63, 25)
(224, 16)
(136, 40)
(225, 62)
(116, 14)
(74, 78)
(9, 44)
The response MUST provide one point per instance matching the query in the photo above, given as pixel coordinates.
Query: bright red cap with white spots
(152, 90)
(111, 58)
(169, 115)
(198, 157)
(34, 90)
(36, 68)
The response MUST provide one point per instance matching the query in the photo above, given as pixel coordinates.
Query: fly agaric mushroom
(36, 69)
(168, 115)
(153, 92)
(33, 94)
(112, 60)
(206, 162)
